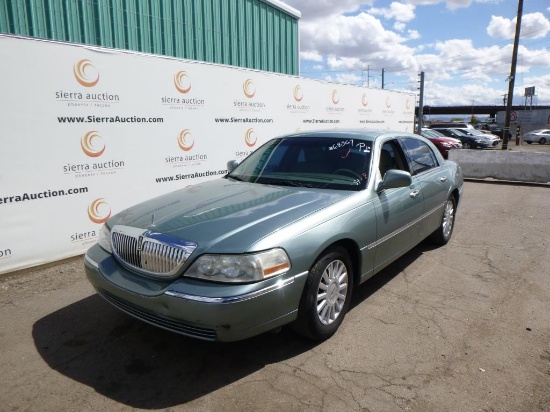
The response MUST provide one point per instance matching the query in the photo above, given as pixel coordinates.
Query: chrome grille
(150, 253)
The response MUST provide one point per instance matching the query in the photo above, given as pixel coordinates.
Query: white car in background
(540, 136)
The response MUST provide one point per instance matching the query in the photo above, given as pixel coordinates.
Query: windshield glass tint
(328, 163)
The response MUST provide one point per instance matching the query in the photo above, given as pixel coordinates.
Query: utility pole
(382, 78)
(421, 105)
(512, 79)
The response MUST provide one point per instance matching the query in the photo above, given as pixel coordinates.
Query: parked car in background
(468, 142)
(541, 136)
(495, 140)
(282, 239)
(442, 142)
(452, 125)
(494, 129)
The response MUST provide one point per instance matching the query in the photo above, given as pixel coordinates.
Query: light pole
(511, 79)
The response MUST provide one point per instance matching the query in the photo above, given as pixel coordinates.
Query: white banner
(88, 131)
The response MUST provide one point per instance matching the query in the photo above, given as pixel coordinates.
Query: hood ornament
(152, 225)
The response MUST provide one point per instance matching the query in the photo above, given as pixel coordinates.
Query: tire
(466, 145)
(529, 142)
(326, 296)
(443, 233)
(542, 140)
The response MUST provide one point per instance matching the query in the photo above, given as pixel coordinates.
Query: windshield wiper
(281, 182)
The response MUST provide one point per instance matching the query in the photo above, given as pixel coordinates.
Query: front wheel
(442, 234)
(326, 296)
(542, 140)
(466, 145)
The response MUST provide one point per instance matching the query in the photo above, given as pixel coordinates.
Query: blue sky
(464, 47)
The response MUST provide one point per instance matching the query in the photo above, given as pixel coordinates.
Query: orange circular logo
(249, 88)
(92, 144)
(85, 73)
(250, 138)
(298, 95)
(99, 211)
(186, 140)
(335, 97)
(365, 100)
(182, 82)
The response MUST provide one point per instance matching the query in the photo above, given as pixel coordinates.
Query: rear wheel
(443, 233)
(326, 296)
(542, 140)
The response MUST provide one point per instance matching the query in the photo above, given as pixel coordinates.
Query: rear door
(431, 178)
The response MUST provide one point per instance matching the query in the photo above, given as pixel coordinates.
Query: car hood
(224, 215)
(444, 140)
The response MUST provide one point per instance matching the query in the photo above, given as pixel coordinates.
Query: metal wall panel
(246, 33)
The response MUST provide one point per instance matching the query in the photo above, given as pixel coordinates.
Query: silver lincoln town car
(282, 239)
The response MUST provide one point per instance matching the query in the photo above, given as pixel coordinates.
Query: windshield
(432, 133)
(319, 162)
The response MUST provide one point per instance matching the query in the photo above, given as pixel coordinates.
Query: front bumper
(203, 310)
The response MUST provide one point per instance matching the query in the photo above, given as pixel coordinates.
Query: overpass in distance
(491, 111)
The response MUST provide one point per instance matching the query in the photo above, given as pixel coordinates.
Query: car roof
(362, 134)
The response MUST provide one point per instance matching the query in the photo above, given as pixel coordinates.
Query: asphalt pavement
(464, 327)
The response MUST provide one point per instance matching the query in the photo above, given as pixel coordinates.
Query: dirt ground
(465, 327)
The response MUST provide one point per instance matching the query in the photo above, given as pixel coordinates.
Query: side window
(421, 156)
(391, 157)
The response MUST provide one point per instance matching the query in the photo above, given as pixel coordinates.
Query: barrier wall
(503, 165)
(86, 132)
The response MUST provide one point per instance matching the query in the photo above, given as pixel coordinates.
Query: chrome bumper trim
(91, 262)
(234, 299)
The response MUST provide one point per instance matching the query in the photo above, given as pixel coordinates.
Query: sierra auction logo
(335, 98)
(93, 146)
(86, 75)
(388, 111)
(298, 95)
(363, 109)
(183, 84)
(99, 211)
(185, 140)
(186, 143)
(297, 106)
(249, 91)
(250, 138)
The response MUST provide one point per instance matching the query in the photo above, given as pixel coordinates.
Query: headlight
(105, 238)
(481, 141)
(446, 145)
(240, 268)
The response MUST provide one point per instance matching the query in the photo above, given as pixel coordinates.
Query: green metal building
(256, 34)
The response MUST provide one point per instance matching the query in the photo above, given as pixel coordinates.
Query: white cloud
(344, 39)
(399, 11)
(398, 26)
(314, 9)
(311, 56)
(533, 25)
(414, 34)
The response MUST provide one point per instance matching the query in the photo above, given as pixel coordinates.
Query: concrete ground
(460, 328)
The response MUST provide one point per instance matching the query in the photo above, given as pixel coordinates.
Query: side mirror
(395, 178)
(231, 165)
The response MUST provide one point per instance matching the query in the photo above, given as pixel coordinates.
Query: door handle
(443, 179)
(414, 193)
